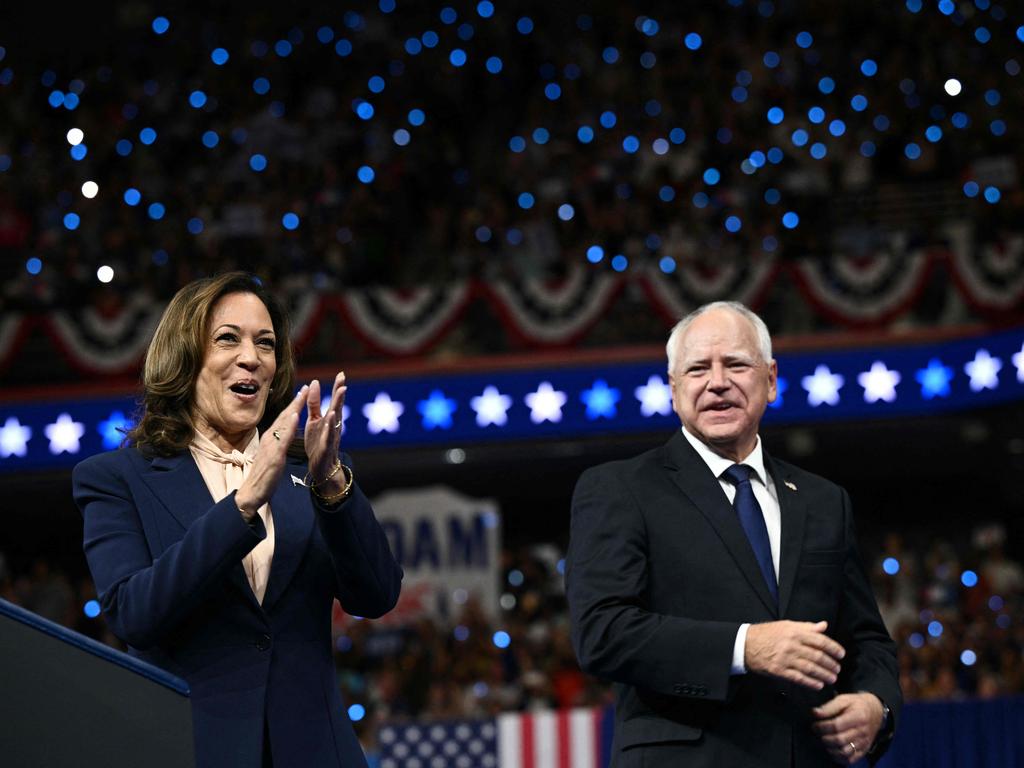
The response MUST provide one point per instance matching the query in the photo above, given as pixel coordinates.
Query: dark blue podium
(67, 700)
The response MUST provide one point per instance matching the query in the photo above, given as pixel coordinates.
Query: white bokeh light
(90, 189)
(655, 397)
(64, 434)
(75, 136)
(491, 407)
(382, 414)
(546, 403)
(105, 274)
(822, 387)
(879, 383)
(14, 437)
(983, 371)
(953, 87)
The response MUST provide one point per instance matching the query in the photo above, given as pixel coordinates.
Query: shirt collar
(718, 464)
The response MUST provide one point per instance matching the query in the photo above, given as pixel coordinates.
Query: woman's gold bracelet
(343, 493)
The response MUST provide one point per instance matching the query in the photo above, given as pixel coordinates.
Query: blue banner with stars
(576, 400)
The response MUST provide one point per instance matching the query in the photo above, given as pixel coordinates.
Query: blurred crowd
(686, 135)
(956, 610)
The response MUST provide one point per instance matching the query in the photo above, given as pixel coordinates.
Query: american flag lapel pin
(791, 486)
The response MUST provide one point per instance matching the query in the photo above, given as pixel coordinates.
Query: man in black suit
(721, 589)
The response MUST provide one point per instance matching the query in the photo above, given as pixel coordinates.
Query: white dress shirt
(764, 491)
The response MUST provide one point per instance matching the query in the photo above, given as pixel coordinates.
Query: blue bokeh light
(210, 139)
(969, 578)
(356, 712)
(585, 134)
(712, 176)
(869, 68)
(619, 263)
(219, 56)
(457, 57)
(261, 86)
(776, 115)
(494, 65)
(91, 609)
(72, 221)
(416, 117)
(132, 196)
(366, 174)
(156, 211)
(692, 41)
(595, 254)
(290, 221)
(733, 224)
(524, 25)
(501, 639)
(525, 201)
(161, 25)
(34, 265)
(891, 566)
(608, 119)
(197, 99)
(258, 162)
(790, 220)
(631, 144)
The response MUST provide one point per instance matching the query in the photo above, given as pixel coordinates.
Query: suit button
(263, 643)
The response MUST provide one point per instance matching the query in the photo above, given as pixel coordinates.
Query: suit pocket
(655, 730)
(831, 557)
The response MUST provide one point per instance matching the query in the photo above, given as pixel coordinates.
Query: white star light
(491, 407)
(382, 414)
(879, 383)
(64, 434)
(984, 371)
(1018, 361)
(14, 438)
(546, 403)
(655, 397)
(822, 387)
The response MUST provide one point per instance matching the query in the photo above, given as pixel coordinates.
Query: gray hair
(764, 339)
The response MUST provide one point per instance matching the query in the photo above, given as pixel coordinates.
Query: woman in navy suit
(218, 548)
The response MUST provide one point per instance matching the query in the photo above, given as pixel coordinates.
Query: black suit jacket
(660, 575)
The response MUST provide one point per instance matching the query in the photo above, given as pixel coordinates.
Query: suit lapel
(794, 517)
(692, 476)
(178, 485)
(293, 515)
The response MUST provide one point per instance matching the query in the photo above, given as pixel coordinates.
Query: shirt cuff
(738, 650)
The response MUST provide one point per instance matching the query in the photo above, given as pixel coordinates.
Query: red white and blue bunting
(867, 290)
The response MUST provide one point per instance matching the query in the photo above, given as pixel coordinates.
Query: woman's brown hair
(176, 354)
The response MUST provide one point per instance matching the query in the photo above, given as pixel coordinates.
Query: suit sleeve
(615, 633)
(870, 664)
(368, 578)
(143, 598)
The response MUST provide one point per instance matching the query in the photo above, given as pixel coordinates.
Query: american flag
(570, 738)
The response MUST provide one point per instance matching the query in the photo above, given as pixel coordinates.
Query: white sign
(449, 547)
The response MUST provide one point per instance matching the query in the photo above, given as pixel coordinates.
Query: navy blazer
(167, 563)
(659, 577)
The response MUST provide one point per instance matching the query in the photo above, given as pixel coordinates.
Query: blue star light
(600, 400)
(436, 410)
(934, 379)
(781, 385)
(112, 430)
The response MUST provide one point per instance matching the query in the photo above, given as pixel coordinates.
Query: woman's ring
(276, 434)
(853, 747)
(337, 426)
